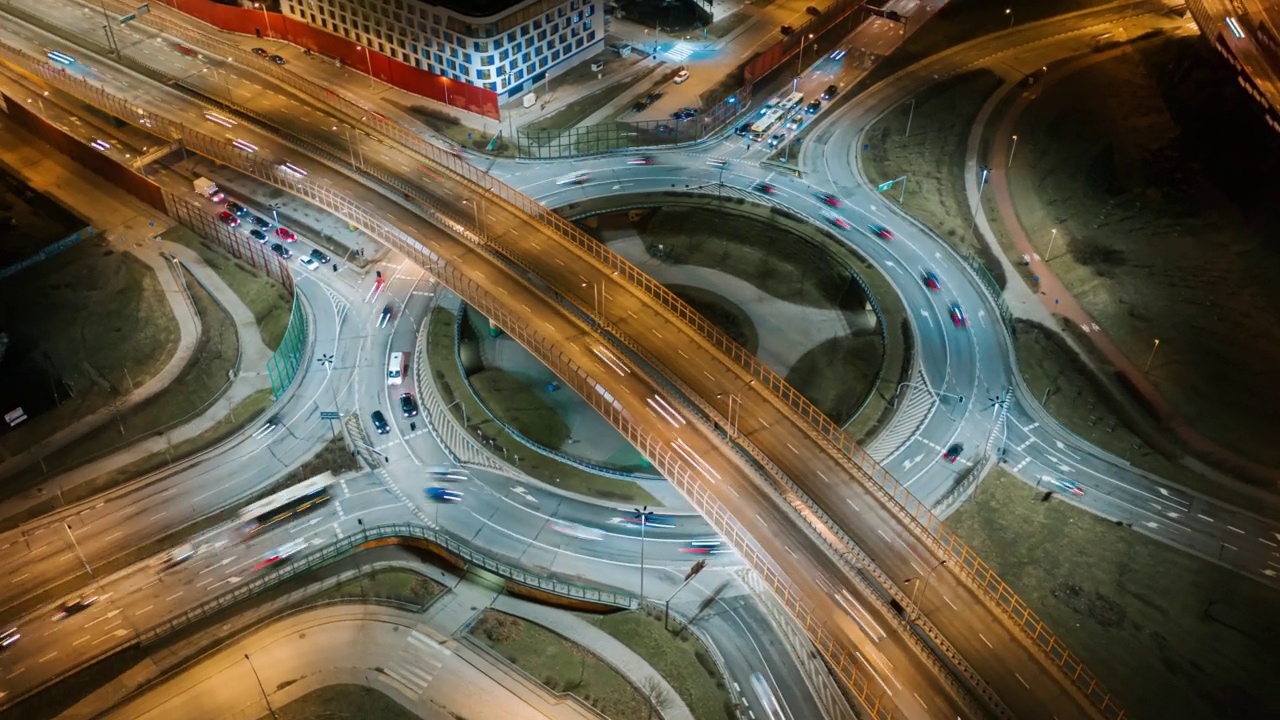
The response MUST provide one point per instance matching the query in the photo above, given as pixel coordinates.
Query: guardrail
(915, 515)
(338, 549)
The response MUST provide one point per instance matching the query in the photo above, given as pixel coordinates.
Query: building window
(524, 31)
(555, 55)
(586, 25)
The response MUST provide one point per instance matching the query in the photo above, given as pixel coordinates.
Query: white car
(573, 178)
(681, 76)
(308, 263)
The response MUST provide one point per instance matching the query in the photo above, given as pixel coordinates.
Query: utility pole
(642, 514)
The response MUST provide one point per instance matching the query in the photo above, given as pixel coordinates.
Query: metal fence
(915, 514)
(989, 283)
(336, 550)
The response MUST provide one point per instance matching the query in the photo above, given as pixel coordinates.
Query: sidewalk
(122, 216)
(1055, 299)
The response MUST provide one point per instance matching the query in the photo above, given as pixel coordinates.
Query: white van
(681, 76)
(397, 368)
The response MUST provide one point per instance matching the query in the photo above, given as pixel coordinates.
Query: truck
(209, 189)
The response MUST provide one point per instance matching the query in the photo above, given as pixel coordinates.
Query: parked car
(319, 256)
(276, 59)
(285, 235)
(258, 235)
(260, 52)
(813, 11)
(380, 422)
(261, 222)
(681, 76)
(281, 250)
(786, 30)
(228, 219)
(639, 106)
(238, 209)
(308, 263)
(665, 129)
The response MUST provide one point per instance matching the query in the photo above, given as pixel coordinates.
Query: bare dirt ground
(1172, 635)
(1161, 180)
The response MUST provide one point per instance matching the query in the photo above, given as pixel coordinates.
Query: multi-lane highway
(959, 362)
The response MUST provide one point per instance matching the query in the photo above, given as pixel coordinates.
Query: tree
(656, 692)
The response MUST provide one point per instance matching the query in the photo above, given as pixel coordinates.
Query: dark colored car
(830, 92)
(652, 97)
(666, 129)
(813, 107)
(276, 59)
(882, 232)
(261, 222)
(766, 188)
(238, 209)
(957, 316)
(408, 407)
(319, 256)
(953, 452)
(786, 30)
(639, 106)
(931, 281)
(260, 52)
(813, 11)
(380, 422)
(281, 250)
(829, 199)
(258, 235)
(743, 129)
(75, 607)
(385, 317)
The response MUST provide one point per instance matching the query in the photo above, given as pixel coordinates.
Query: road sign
(144, 8)
(128, 18)
(330, 415)
(885, 186)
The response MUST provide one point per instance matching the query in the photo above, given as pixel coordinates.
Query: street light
(733, 421)
(445, 82)
(978, 202)
(261, 689)
(1053, 235)
(642, 514)
(265, 16)
(1151, 357)
(1009, 12)
(368, 62)
(1011, 149)
(800, 59)
(918, 591)
(475, 207)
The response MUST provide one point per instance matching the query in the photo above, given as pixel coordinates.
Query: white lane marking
(1236, 529)
(86, 637)
(1024, 682)
(953, 605)
(1203, 517)
(855, 505)
(173, 596)
(144, 609)
(793, 449)
(988, 642)
(762, 522)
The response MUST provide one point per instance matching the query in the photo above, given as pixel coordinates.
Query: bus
(397, 368)
(775, 111)
(294, 500)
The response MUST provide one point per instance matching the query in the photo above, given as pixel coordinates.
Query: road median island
(343, 702)
(560, 665)
(469, 413)
(1175, 635)
(1153, 232)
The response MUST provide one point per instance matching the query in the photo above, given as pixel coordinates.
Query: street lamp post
(475, 207)
(261, 689)
(733, 420)
(800, 58)
(1053, 235)
(910, 115)
(978, 202)
(918, 591)
(642, 514)
(1009, 12)
(265, 16)
(597, 294)
(1152, 356)
(368, 62)
(1011, 149)
(112, 45)
(461, 407)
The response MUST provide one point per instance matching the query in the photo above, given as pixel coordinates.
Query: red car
(830, 199)
(957, 316)
(766, 188)
(286, 235)
(953, 452)
(838, 221)
(642, 160)
(882, 232)
(228, 219)
(931, 281)
(185, 50)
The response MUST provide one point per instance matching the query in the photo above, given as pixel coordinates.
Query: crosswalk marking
(681, 50)
(415, 665)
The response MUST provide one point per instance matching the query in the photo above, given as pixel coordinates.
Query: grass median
(1171, 634)
(343, 702)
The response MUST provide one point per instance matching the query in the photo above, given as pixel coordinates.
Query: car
(683, 114)
(681, 77)
(813, 107)
(650, 520)
(640, 160)
(639, 106)
(261, 222)
(953, 452)
(573, 178)
(573, 529)
(276, 59)
(75, 607)
(717, 162)
(260, 52)
(704, 547)
(653, 97)
(228, 219)
(931, 281)
(957, 316)
(281, 554)
(185, 50)
(765, 188)
(408, 407)
(380, 422)
(744, 128)
(7, 638)
(443, 495)
(829, 199)
(238, 209)
(777, 139)
(837, 220)
(830, 92)
(786, 30)
(281, 250)
(796, 121)
(813, 11)
(665, 129)
(881, 232)
(175, 557)
(319, 256)
(1070, 486)
(308, 263)
(286, 235)
(385, 317)
(838, 54)
(258, 235)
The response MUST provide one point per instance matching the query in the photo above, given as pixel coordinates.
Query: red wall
(406, 77)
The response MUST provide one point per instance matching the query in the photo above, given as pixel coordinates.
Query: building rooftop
(475, 8)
